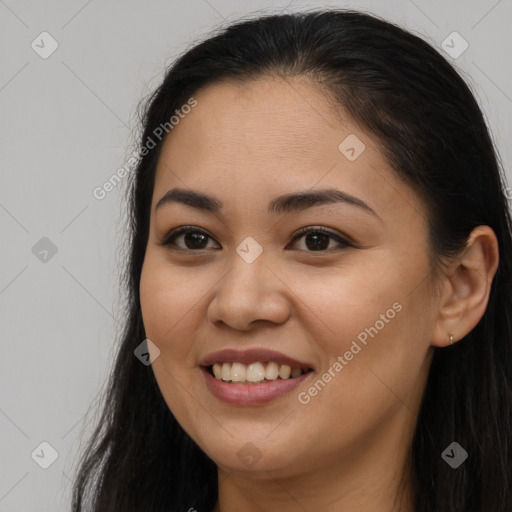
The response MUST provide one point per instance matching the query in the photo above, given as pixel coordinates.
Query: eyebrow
(286, 203)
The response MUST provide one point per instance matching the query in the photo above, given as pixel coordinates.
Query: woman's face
(353, 306)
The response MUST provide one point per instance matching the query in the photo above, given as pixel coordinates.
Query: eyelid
(343, 240)
(166, 239)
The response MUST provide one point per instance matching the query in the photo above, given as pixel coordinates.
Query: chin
(251, 453)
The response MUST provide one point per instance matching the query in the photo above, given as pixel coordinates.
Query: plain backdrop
(68, 122)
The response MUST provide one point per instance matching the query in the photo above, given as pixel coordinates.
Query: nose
(249, 294)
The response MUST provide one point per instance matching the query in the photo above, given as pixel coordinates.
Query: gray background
(68, 122)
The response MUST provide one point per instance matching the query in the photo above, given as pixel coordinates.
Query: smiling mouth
(255, 373)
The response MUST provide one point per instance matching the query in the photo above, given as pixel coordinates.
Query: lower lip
(251, 394)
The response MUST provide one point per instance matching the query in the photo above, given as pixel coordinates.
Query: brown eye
(317, 239)
(193, 238)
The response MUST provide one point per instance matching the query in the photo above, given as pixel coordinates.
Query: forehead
(266, 118)
(254, 140)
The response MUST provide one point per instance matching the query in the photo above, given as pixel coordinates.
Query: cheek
(173, 304)
(373, 331)
(167, 298)
(343, 302)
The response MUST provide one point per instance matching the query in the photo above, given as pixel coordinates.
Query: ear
(465, 286)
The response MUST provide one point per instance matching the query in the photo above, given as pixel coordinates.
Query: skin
(346, 449)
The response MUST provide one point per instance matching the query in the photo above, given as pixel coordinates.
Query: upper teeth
(254, 372)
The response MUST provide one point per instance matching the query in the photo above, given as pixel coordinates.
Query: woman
(319, 284)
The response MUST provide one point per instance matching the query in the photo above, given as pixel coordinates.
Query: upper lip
(252, 355)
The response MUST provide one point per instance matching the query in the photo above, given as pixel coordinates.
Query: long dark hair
(432, 131)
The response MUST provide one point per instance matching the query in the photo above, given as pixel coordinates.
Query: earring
(451, 339)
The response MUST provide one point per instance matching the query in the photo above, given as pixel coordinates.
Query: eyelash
(169, 237)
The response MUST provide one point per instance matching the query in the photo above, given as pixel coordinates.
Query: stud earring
(451, 339)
